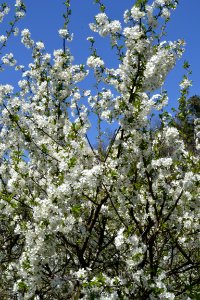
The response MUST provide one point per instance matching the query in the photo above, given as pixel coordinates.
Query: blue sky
(44, 18)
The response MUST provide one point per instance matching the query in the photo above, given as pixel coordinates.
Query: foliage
(83, 223)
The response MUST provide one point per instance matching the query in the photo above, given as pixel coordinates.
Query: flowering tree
(84, 223)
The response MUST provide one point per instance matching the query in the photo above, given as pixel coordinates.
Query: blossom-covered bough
(78, 222)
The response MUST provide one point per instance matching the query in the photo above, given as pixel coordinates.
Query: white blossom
(3, 38)
(9, 59)
(95, 62)
(136, 13)
(185, 83)
(26, 38)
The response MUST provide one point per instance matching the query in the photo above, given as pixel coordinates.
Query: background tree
(186, 118)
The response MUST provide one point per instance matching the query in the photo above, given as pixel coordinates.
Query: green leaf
(27, 137)
(76, 209)
(102, 8)
(44, 149)
(14, 118)
(72, 162)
